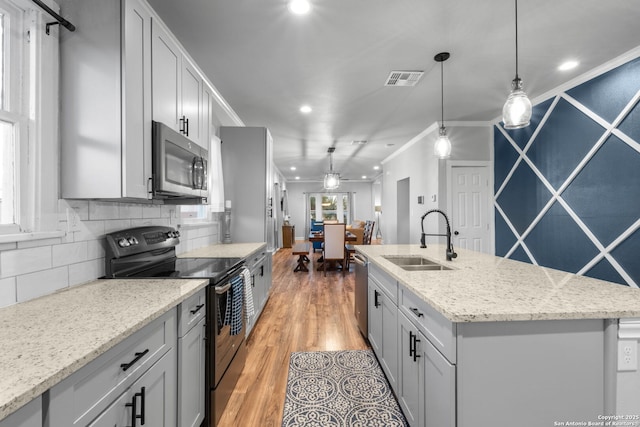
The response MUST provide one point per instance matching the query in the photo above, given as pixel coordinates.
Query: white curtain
(216, 182)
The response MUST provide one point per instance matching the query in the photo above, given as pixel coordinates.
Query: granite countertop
(484, 288)
(231, 250)
(45, 340)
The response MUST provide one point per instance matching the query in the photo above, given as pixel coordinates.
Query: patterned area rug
(339, 389)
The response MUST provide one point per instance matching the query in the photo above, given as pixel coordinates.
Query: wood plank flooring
(305, 312)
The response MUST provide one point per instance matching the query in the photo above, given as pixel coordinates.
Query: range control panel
(140, 239)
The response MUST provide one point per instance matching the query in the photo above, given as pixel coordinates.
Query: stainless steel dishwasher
(360, 300)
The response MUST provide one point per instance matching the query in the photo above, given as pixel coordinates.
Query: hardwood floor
(305, 312)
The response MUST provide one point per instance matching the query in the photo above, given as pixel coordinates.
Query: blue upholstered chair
(316, 226)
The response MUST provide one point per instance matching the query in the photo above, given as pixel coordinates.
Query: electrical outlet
(627, 355)
(73, 220)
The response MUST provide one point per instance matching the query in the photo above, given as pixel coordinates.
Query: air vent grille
(359, 142)
(403, 78)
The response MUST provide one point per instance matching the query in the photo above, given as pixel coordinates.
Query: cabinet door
(166, 63)
(116, 415)
(191, 102)
(191, 393)
(439, 382)
(410, 366)
(136, 96)
(159, 385)
(30, 415)
(383, 332)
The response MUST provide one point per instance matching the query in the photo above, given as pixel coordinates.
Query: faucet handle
(422, 241)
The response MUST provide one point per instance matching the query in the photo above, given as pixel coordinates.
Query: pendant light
(331, 179)
(442, 147)
(516, 112)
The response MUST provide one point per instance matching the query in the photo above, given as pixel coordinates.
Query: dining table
(318, 236)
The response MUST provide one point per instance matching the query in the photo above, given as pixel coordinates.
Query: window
(332, 206)
(28, 119)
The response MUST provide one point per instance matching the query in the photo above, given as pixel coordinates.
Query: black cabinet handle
(376, 303)
(139, 355)
(412, 348)
(186, 121)
(134, 408)
(183, 127)
(416, 312)
(197, 309)
(261, 270)
(415, 347)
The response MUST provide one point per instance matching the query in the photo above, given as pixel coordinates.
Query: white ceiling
(267, 62)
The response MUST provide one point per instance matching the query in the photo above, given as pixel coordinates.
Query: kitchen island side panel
(530, 373)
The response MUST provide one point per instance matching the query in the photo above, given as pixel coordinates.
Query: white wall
(415, 160)
(364, 201)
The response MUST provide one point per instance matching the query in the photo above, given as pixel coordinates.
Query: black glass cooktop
(203, 268)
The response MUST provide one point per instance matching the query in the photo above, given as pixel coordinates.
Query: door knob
(455, 233)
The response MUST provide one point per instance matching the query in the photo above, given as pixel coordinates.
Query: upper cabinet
(120, 70)
(105, 94)
(177, 87)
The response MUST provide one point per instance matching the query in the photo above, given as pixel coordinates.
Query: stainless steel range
(149, 252)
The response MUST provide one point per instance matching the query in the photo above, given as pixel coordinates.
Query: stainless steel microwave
(179, 167)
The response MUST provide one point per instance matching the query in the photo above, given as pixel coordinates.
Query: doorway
(403, 215)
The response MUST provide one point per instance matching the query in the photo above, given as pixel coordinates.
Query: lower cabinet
(30, 415)
(259, 265)
(383, 333)
(131, 382)
(410, 391)
(191, 375)
(149, 401)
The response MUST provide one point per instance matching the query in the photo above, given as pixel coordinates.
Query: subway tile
(96, 249)
(69, 253)
(23, 261)
(89, 230)
(81, 207)
(151, 211)
(33, 285)
(116, 225)
(26, 244)
(9, 246)
(130, 210)
(7, 291)
(143, 222)
(103, 210)
(85, 272)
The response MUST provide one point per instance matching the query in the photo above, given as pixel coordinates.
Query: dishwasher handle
(359, 259)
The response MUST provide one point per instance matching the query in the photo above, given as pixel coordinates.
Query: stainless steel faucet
(449, 252)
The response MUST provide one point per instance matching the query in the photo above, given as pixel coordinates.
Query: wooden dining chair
(334, 245)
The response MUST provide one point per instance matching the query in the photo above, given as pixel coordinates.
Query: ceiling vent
(403, 78)
(360, 142)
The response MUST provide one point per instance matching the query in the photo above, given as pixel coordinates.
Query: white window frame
(34, 107)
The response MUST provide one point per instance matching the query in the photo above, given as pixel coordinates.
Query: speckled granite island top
(45, 340)
(231, 250)
(484, 288)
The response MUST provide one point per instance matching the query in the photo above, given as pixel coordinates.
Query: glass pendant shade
(331, 181)
(442, 147)
(516, 112)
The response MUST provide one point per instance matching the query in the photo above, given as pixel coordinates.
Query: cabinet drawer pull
(411, 344)
(142, 399)
(139, 355)
(416, 312)
(415, 347)
(197, 309)
(134, 408)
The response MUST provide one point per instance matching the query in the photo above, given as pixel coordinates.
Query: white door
(470, 207)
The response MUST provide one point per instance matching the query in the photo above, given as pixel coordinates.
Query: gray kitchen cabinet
(149, 401)
(247, 164)
(410, 389)
(191, 360)
(259, 265)
(100, 385)
(30, 415)
(177, 87)
(383, 330)
(105, 93)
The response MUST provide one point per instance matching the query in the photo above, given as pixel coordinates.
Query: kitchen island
(491, 341)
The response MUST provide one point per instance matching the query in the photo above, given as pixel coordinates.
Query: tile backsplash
(33, 268)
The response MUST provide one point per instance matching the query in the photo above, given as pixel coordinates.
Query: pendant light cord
(516, 39)
(442, 93)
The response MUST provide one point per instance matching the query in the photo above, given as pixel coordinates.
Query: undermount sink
(415, 263)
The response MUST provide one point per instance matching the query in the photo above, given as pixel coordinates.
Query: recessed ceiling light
(299, 7)
(305, 109)
(568, 65)
(297, 177)
(376, 167)
(293, 168)
(364, 176)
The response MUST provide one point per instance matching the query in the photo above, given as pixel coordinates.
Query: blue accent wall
(567, 187)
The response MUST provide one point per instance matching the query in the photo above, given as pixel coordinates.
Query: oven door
(180, 166)
(227, 334)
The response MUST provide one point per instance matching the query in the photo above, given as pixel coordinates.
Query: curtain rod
(68, 25)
